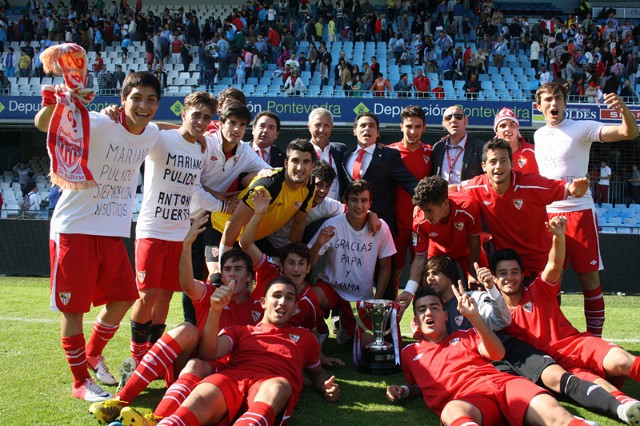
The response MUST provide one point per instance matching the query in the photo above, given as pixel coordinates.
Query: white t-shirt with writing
(562, 152)
(171, 170)
(352, 257)
(115, 156)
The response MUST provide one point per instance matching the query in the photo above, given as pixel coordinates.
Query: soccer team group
(249, 212)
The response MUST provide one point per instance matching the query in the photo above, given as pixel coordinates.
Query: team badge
(417, 357)
(65, 297)
(518, 203)
(522, 162)
(528, 307)
(215, 251)
(255, 315)
(141, 275)
(459, 226)
(433, 234)
(454, 341)
(486, 203)
(213, 158)
(427, 159)
(294, 338)
(414, 238)
(593, 262)
(297, 205)
(227, 308)
(459, 319)
(296, 312)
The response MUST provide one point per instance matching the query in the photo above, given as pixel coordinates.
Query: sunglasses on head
(457, 115)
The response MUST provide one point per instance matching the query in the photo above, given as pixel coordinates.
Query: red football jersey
(450, 238)
(524, 159)
(539, 320)
(307, 312)
(247, 313)
(419, 164)
(516, 218)
(445, 370)
(265, 348)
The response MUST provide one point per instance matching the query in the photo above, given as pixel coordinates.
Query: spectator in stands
(118, 77)
(29, 183)
(21, 173)
(186, 56)
(635, 184)
(627, 92)
(604, 180)
(612, 85)
(499, 51)
(444, 42)
(325, 65)
(294, 85)
(534, 54)
(5, 84)
(438, 92)
(98, 62)
(545, 76)
(403, 87)
(447, 66)
(421, 84)
(472, 87)
(160, 74)
(380, 85)
(10, 63)
(24, 64)
(32, 200)
(105, 80)
(367, 76)
(346, 78)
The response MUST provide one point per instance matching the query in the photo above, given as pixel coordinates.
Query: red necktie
(357, 165)
(263, 154)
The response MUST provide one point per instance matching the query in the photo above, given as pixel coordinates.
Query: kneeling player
(264, 373)
(456, 381)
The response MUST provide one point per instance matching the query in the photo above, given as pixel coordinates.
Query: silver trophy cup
(379, 311)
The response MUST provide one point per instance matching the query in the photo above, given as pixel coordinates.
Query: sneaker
(91, 392)
(103, 374)
(126, 371)
(629, 412)
(116, 424)
(107, 411)
(133, 417)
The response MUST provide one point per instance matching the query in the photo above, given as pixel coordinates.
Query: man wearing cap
(507, 127)
(457, 156)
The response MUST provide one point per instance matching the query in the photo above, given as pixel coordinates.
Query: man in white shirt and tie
(266, 128)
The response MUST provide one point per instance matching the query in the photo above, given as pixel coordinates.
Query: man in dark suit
(266, 128)
(320, 127)
(382, 168)
(457, 156)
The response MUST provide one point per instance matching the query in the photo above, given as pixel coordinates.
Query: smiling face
(298, 166)
(195, 121)
(552, 107)
(412, 129)
(140, 106)
(320, 127)
(322, 189)
(366, 131)
(508, 130)
(498, 168)
(296, 267)
(509, 277)
(358, 205)
(265, 132)
(430, 317)
(278, 303)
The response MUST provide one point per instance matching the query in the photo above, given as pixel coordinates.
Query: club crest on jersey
(522, 162)
(456, 340)
(459, 319)
(518, 203)
(141, 275)
(528, 307)
(486, 203)
(433, 234)
(213, 158)
(255, 315)
(65, 297)
(459, 226)
(414, 238)
(417, 357)
(296, 312)
(427, 159)
(294, 338)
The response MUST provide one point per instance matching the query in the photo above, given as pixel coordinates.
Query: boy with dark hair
(89, 262)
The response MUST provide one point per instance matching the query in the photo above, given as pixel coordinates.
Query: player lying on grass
(457, 382)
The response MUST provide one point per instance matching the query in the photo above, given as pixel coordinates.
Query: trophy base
(379, 362)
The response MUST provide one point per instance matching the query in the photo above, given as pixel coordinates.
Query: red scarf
(68, 134)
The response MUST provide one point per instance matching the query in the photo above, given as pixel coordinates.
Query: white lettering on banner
(24, 107)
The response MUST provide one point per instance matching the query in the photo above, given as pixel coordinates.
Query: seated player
(520, 357)
(352, 252)
(456, 381)
(294, 259)
(537, 319)
(173, 350)
(263, 378)
(443, 223)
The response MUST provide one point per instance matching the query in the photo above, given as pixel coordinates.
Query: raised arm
(211, 347)
(43, 118)
(322, 237)
(553, 271)
(261, 201)
(496, 313)
(627, 130)
(415, 272)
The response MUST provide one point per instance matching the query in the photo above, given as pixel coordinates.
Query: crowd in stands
(302, 45)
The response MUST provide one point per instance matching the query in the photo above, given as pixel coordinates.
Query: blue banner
(295, 110)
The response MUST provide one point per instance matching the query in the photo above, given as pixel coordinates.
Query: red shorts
(403, 243)
(584, 352)
(583, 244)
(157, 263)
(239, 387)
(501, 397)
(335, 301)
(88, 269)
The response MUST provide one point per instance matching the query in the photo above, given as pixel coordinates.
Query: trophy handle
(362, 325)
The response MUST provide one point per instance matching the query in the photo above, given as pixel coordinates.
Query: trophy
(379, 356)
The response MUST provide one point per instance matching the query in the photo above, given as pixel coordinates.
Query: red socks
(152, 366)
(258, 414)
(182, 417)
(634, 373)
(74, 351)
(464, 421)
(101, 335)
(176, 394)
(594, 311)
